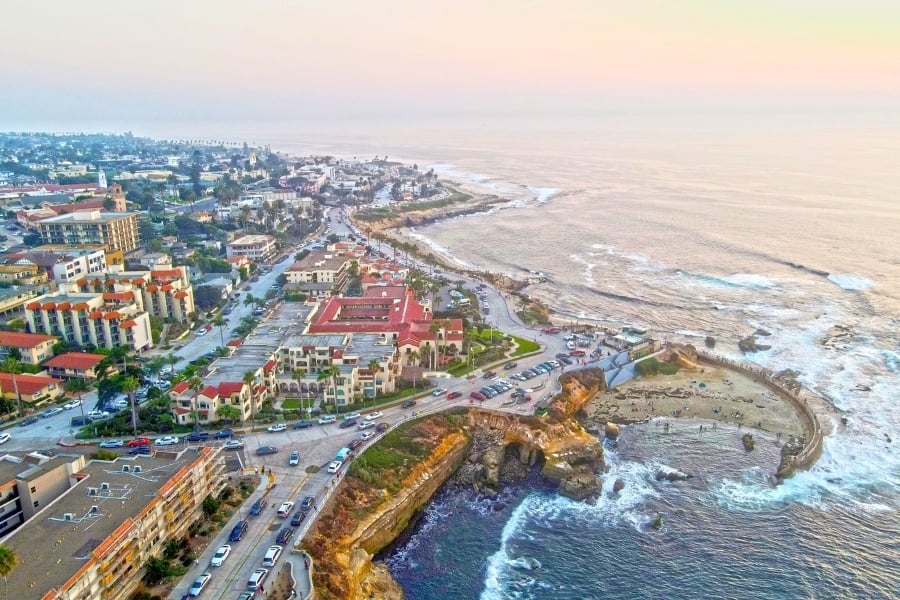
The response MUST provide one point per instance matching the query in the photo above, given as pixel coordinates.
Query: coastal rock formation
(683, 356)
(749, 344)
(671, 475)
(789, 452)
(611, 430)
(710, 341)
(619, 485)
(747, 440)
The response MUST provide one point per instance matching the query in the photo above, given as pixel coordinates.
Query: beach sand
(740, 401)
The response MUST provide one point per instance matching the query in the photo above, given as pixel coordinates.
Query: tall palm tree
(195, 385)
(219, 322)
(76, 386)
(249, 379)
(13, 366)
(8, 562)
(298, 375)
(129, 386)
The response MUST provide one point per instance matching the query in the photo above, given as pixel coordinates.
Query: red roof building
(32, 388)
(74, 364)
(33, 347)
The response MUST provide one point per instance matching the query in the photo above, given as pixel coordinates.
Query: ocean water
(689, 225)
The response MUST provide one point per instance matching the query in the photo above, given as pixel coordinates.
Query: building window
(36, 503)
(33, 489)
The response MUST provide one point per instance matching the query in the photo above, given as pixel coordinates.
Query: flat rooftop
(52, 548)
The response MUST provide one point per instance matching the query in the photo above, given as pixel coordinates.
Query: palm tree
(195, 385)
(76, 386)
(219, 322)
(228, 413)
(322, 376)
(13, 366)
(129, 386)
(8, 562)
(298, 375)
(249, 379)
(375, 367)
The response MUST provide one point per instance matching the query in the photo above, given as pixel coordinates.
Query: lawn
(524, 346)
(291, 403)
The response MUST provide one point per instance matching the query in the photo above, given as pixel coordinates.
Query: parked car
(224, 434)
(439, 392)
(284, 536)
(276, 427)
(197, 436)
(256, 579)
(50, 412)
(28, 420)
(198, 585)
(272, 555)
(382, 427)
(367, 435)
(247, 596)
(478, 396)
(510, 365)
(302, 424)
(366, 424)
(139, 450)
(326, 419)
(307, 503)
(111, 444)
(264, 450)
(80, 421)
(98, 414)
(238, 531)
(220, 555)
(294, 460)
(348, 423)
(335, 466)
(4, 437)
(169, 440)
(354, 444)
(453, 395)
(75, 403)
(234, 445)
(139, 441)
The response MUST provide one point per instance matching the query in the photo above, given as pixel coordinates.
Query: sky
(274, 59)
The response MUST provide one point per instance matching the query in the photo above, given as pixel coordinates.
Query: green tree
(8, 561)
(129, 386)
(77, 386)
(155, 571)
(13, 366)
(249, 379)
(228, 413)
(195, 385)
(219, 322)
(210, 506)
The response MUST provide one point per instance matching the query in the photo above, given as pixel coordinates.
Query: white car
(98, 414)
(366, 424)
(277, 427)
(4, 437)
(169, 440)
(326, 419)
(221, 554)
(353, 415)
(373, 416)
(285, 509)
(256, 578)
(335, 466)
(72, 404)
(367, 435)
(199, 584)
(201, 332)
(234, 445)
(111, 444)
(439, 392)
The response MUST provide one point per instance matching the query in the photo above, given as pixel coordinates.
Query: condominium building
(114, 231)
(258, 248)
(92, 538)
(320, 273)
(33, 348)
(105, 319)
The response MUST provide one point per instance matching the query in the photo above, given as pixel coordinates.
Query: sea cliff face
(480, 448)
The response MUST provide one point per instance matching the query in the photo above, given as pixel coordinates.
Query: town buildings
(33, 348)
(257, 248)
(320, 273)
(74, 365)
(30, 388)
(114, 231)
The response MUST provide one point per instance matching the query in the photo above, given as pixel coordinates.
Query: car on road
(348, 423)
(298, 518)
(439, 392)
(284, 536)
(201, 332)
(488, 375)
(307, 503)
(28, 420)
(139, 441)
(354, 444)
(303, 424)
(453, 395)
(197, 436)
(169, 440)
(198, 585)
(272, 555)
(50, 412)
(352, 415)
(294, 460)
(139, 450)
(247, 596)
(382, 427)
(366, 424)
(4, 437)
(224, 434)
(374, 415)
(111, 444)
(72, 404)
(264, 450)
(408, 404)
(326, 419)
(367, 435)
(256, 578)
(98, 414)
(238, 531)
(285, 509)
(258, 507)
(276, 427)
(510, 365)
(234, 445)
(220, 555)
(335, 466)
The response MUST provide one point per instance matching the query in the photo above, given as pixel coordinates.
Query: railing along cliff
(812, 449)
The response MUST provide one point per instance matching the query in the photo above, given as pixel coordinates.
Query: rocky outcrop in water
(710, 341)
(747, 440)
(749, 344)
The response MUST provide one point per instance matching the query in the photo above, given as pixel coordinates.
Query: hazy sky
(164, 59)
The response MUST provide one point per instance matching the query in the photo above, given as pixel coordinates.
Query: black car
(263, 450)
(354, 444)
(298, 518)
(258, 507)
(139, 450)
(284, 536)
(510, 365)
(348, 423)
(307, 503)
(302, 424)
(408, 404)
(197, 436)
(224, 434)
(28, 420)
(382, 427)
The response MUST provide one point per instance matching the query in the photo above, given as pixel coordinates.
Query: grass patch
(524, 346)
(291, 404)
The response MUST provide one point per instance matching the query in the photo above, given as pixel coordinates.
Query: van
(238, 532)
(271, 556)
(342, 454)
(256, 578)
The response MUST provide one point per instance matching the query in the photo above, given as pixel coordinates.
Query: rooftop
(24, 340)
(84, 216)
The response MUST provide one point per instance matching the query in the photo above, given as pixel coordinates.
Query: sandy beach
(715, 394)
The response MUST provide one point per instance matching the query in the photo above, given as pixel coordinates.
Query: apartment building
(74, 365)
(30, 388)
(69, 264)
(94, 539)
(34, 348)
(257, 248)
(104, 319)
(320, 273)
(114, 231)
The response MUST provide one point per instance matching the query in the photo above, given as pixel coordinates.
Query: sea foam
(850, 281)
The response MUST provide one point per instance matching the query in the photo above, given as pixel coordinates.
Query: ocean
(689, 225)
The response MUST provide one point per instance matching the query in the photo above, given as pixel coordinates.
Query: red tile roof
(180, 387)
(75, 360)
(269, 365)
(111, 315)
(128, 324)
(80, 306)
(227, 388)
(23, 340)
(166, 273)
(33, 306)
(26, 384)
(95, 315)
(181, 294)
(210, 391)
(127, 296)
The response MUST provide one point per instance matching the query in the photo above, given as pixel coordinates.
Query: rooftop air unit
(68, 516)
(136, 469)
(104, 486)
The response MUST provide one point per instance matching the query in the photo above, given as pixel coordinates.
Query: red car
(453, 395)
(577, 353)
(550, 330)
(478, 396)
(141, 441)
